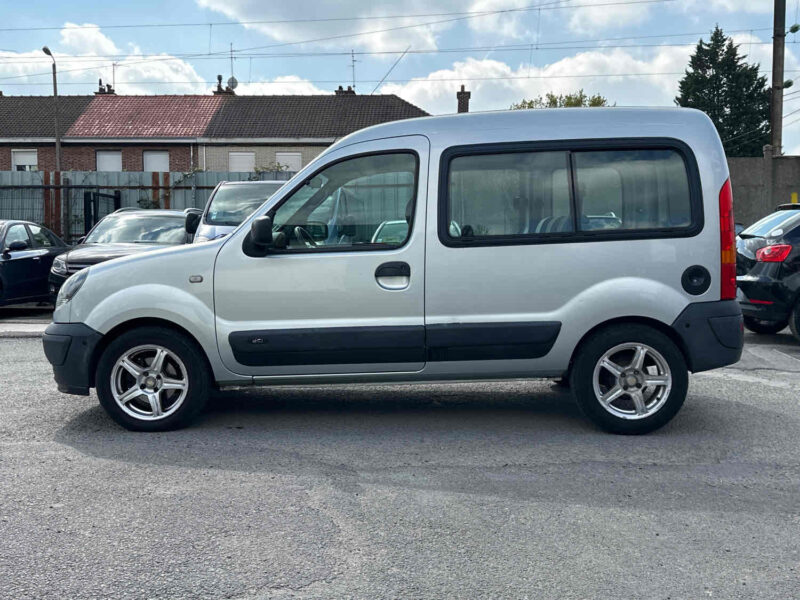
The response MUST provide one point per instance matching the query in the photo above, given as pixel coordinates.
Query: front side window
(138, 229)
(346, 204)
(40, 237)
(233, 203)
(509, 194)
(630, 190)
(17, 233)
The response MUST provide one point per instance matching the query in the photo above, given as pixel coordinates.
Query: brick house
(220, 132)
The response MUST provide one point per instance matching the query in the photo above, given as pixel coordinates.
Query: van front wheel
(152, 379)
(629, 379)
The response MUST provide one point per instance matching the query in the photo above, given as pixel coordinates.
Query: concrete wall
(760, 184)
(216, 157)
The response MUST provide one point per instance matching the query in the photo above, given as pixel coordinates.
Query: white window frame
(30, 166)
(237, 158)
(157, 156)
(106, 154)
(292, 161)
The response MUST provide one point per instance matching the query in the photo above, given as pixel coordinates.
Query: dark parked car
(28, 251)
(123, 232)
(768, 272)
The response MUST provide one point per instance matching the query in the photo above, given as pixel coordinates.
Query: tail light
(776, 253)
(727, 243)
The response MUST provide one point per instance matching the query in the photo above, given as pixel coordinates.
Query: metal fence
(58, 200)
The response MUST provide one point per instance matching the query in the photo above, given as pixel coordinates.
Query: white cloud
(298, 31)
(75, 65)
(87, 39)
(591, 19)
(496, 85)
(287, 84)
(733, 6)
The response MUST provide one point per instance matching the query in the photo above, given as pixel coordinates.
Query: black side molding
(491, 341)
(712, 334)
(329, 346)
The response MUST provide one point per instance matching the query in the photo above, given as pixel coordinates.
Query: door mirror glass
(192, 222)
(261, 231)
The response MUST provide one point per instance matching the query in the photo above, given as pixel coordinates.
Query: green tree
(550, 100)
(730, 91)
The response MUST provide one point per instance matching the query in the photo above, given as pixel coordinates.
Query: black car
(28, 251)
(768, 272)
(122, 233)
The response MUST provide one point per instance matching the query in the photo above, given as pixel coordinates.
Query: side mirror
(17, 246)
(80, 240)
(192, 222)
(261, 231)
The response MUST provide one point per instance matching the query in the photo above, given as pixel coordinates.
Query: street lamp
(46, 50)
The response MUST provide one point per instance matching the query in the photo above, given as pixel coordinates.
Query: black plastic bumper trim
(712, 334)
(69, 348)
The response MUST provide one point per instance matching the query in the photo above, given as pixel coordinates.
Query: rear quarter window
(542, 192)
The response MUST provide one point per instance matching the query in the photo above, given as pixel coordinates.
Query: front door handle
(393, 275)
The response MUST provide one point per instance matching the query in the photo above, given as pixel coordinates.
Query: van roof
(548, 124)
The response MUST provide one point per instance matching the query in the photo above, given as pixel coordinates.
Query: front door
(336, 299)
(19, 268)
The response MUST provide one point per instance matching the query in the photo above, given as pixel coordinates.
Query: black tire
(197, 376)
(794, 322)
(592, 350)
(764, 327)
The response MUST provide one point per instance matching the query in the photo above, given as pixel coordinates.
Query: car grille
(75, 267)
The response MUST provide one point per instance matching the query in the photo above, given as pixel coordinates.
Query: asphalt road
(460, 490)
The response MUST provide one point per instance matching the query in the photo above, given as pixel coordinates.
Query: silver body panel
(580, 285)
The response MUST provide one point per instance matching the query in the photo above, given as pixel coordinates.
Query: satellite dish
(232, 83)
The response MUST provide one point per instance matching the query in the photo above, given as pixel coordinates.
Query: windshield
(232, 204)
(139, 228)
(781, 219)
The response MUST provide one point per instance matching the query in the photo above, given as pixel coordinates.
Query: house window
(24, 160)
(242, 161)
(156, 160)
(291, 161)
(109, 160)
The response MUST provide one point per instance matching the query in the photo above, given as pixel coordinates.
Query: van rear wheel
(152, 379)
(629, 379)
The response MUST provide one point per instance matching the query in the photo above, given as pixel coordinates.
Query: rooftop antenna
(231, 59)
(353, 62)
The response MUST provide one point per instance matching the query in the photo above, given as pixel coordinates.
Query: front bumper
(70, 347)
(712, 334)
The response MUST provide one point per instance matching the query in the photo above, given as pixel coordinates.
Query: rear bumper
(69, 347)
(760, 301)
(712, 334)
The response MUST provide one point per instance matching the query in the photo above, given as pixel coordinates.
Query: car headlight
(59, 266)
(71, 287)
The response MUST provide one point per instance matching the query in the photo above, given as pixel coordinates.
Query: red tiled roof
(114, 116)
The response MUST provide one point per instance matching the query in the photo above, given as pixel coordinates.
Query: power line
(305, 20)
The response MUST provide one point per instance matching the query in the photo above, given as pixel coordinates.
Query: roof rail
(789, 206)
(125, 209)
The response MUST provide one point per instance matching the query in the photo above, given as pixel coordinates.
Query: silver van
(594, 245)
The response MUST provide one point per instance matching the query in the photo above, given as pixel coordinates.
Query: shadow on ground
(519, 439)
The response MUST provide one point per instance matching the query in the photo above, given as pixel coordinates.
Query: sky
(633, 52)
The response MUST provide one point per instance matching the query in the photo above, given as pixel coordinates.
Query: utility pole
(46, 50)
(776, 106)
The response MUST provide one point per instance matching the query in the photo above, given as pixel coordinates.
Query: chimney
(226, 91)
(345, 92)
(104, 91)
(463, 100)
